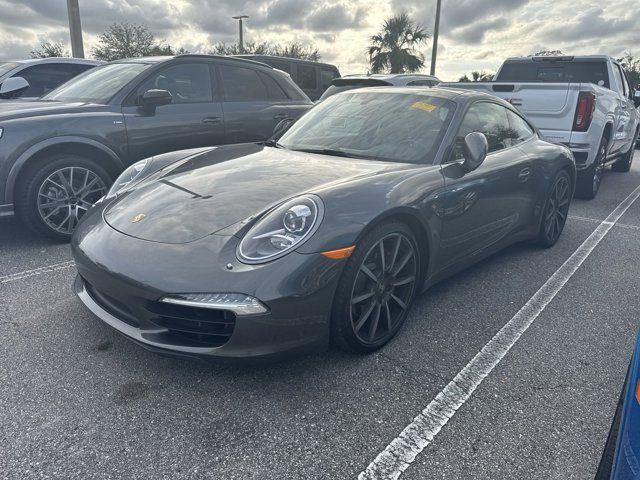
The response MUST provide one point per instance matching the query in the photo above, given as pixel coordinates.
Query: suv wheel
(588, 182)
(54, 194)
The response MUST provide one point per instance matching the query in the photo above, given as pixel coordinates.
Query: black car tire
(556, 210)
(624, 164)
(391, 312)
(589, 180)
(29, 191)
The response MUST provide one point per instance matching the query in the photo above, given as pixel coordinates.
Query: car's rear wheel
(588, 182)
(556, 210)
(376, 289)
(54, 195)
(624, 164)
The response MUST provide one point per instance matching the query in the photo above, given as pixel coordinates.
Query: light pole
(75, 29)
(240, 42)
(436, 29)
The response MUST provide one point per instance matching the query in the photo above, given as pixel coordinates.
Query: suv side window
(44, 78)
(187, 82)
(242, 84)
(520, 127)
(274, 90)
(488, 118)
(307, 77)
(326, 77)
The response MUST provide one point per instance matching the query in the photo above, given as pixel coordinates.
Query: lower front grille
(581, 158)
(202, 327)
(115, 307)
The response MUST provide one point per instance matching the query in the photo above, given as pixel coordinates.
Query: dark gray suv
(60, 154)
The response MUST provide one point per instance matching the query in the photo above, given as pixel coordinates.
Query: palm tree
(477, 76)
(394, 48)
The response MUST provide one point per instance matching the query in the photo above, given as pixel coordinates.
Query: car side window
(520, 127)
(307, 77)
(46, 77)
(625, 82)
(326, 77)
(187, 82)
(491, 120)
(274, 90)
(420, 83)
(618, 77)
(242, 84)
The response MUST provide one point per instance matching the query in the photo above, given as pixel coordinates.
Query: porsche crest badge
(138, 217)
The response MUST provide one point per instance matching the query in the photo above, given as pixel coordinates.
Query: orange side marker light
(638, 391)
(340, 253)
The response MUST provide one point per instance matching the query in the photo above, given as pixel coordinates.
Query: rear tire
(588, 181)
(55, 192)
(376, 289)
(556, 210)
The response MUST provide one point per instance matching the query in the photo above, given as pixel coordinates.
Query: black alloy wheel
(381, 281)
(556, 210)
(624, 164)
(589, 180)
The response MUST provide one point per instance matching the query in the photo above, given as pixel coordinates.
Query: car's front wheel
(377, 288)
(624, 164)
(55, 194)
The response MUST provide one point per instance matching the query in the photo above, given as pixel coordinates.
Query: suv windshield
(97, 85)
(7, 66)
(592, 71)
(376, 125)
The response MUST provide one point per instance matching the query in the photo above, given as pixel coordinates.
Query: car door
(631, 109)
(253, 103)
(622, 112)
(484, 206)
(194, 118)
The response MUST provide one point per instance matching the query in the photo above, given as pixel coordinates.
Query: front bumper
(121, 280)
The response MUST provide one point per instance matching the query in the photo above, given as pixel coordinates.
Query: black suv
(60, 154)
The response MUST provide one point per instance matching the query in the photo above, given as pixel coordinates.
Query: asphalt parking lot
(79, 401)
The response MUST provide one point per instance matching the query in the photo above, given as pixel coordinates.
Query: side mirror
(12, 87)
(636, 98)
(281, 127)
(475, 150)
(154, 98)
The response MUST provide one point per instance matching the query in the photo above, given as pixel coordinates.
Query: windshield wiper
(328, 151)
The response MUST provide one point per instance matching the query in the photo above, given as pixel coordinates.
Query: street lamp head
(240, 17)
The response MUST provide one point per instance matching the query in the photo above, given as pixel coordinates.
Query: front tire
(377, 288)
(624, 164)
(588, 181)
(556, 210)
(55, 193)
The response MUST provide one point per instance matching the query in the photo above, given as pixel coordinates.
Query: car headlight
(129, 175)
(281, 230)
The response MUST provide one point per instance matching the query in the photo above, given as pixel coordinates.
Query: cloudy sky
(475, 34)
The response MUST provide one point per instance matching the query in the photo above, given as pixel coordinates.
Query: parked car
(312, 77)
(620, 457)
(329, 233)
(60, 154)
(584, 102)
(41, 75)
(349, 82)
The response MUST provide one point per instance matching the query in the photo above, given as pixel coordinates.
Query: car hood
(10, 109)
(211, 191)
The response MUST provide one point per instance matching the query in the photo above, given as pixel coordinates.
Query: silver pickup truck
(583, 102)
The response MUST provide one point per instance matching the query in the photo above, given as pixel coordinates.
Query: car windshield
(7, 66)
(97, 85)
(377, 125)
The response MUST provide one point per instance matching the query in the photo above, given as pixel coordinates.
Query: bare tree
(547, 53)
(631, 66)
(49, 49)
(291, 50)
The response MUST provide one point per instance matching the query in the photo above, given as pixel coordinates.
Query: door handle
(280, 116)
(524, 174)
(211, 120)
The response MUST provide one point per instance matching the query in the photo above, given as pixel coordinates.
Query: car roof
(29, 61)
(165, 58)
(248, 56)
(460, 95)
(392, 76)
(566, 58)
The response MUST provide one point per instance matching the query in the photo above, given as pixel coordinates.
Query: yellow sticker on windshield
(427, 107)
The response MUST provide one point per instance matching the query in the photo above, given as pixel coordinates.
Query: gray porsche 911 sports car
(325, 236)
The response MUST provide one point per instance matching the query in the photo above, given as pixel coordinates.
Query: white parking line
(38, 271)
(404, 449)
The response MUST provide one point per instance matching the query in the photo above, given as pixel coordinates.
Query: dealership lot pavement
(79, 401)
